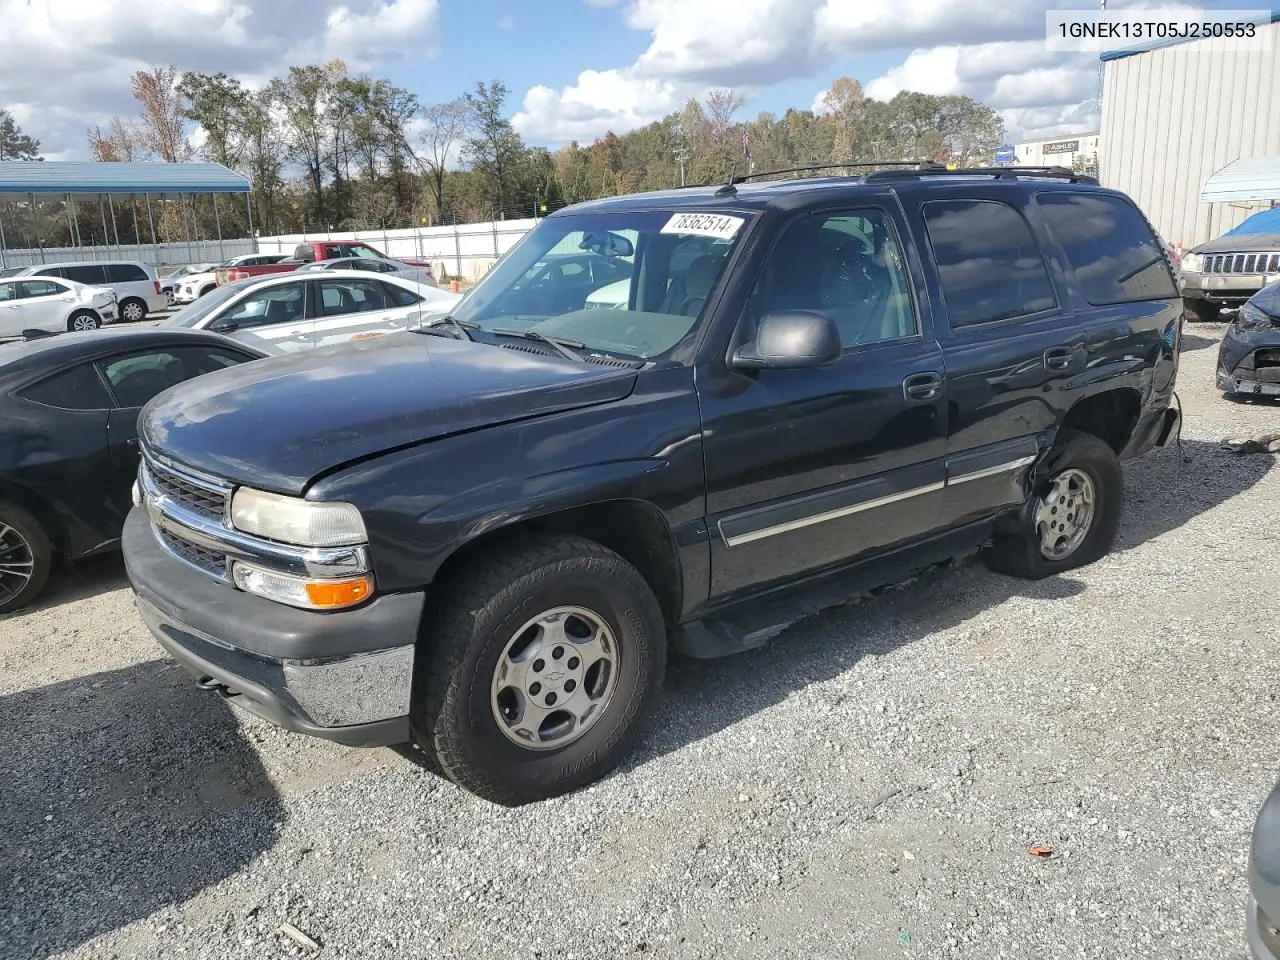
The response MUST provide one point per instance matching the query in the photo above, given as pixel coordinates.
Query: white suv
(136, 285)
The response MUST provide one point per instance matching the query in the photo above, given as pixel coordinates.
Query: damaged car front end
(1249, 355)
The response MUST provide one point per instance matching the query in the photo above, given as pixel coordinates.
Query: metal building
(1175, 114)
(132, 190)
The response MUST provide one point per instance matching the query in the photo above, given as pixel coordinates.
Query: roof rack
(728, 189)
(999, 173)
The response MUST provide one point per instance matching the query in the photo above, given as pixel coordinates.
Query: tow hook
(215, 686)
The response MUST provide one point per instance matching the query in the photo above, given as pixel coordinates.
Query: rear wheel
(133, 310)
(83, 320)
(26, 557)
(1074, 514)
(541, 671)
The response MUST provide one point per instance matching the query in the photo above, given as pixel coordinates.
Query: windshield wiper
(562, 345)
(464, 327)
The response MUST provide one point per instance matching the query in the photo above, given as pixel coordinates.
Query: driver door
(277, 313)
(809, 469)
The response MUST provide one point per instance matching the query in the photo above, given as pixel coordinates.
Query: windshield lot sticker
(704, 225)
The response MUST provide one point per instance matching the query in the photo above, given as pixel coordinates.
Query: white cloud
(996, 55)
(1033, 89)
(507, 23)
(77, 57)
(601, 100)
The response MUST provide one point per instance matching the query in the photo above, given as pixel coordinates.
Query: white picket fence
(466, 250)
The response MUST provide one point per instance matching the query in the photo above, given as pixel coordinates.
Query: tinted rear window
(1111, 249)
(79, 388)
(988, 261)
(125, 273)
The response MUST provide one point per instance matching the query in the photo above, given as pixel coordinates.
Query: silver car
(369, 264)
(301, 310)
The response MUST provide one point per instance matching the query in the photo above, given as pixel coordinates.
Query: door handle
(1057, 358)
(922, 387)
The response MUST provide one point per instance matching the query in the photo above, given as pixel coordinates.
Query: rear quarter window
(77, 388)
(125, 273)
(1111, 250)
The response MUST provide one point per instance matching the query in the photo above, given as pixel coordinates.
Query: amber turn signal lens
(328, 594)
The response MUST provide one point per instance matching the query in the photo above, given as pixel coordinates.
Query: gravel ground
(866, 786)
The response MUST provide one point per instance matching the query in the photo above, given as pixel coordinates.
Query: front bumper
(1229, 289)
(1249, 362)
(345, 676)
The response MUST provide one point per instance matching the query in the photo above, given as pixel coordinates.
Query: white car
(53, 304)
(194, 286)
(136, 285)
(300, 311)
(373, 265)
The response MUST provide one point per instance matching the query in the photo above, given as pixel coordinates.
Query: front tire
(1200, 311)
(84, 320)
(541, 670)
(26, 557)
(1074, 514)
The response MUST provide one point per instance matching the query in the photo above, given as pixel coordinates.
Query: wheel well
(42, 510)
(1110, 416)
(633, 529)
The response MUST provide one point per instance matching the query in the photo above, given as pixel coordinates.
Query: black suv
(484, 535)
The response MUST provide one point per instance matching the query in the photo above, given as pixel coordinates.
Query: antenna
(729, 190)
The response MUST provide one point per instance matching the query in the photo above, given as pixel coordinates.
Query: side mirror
(225, 326)
(788, 339)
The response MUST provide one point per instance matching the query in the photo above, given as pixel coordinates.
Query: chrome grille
(206, 500)
(1242, 263)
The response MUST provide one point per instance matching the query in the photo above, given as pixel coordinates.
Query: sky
(573, 68)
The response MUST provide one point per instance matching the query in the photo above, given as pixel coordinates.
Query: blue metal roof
(1161, 44)
(19, 178)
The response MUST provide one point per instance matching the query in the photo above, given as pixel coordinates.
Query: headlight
(1251, 318)
(299, 592)
(292, 520)
(1192, 262)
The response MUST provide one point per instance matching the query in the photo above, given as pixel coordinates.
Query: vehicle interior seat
(698, 281)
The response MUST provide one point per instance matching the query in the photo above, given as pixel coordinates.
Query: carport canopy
(1249, 178)
(19, 180)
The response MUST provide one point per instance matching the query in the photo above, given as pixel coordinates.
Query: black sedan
(69, 407)
(1249, 356)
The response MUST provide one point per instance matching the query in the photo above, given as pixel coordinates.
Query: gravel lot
(866, 786)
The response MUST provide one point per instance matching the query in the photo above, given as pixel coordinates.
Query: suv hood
(278, 423)
(1241, 243)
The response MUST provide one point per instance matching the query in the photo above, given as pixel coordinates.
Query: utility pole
(681, 153)
(682, 156)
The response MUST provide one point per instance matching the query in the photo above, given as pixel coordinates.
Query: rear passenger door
(44, 303)
(811, 468)
(1010, 338)
(349, 308)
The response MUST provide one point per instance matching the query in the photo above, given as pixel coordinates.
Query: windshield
(633, 283)
(192, 314)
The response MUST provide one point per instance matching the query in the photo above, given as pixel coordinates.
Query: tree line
(328, 149)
